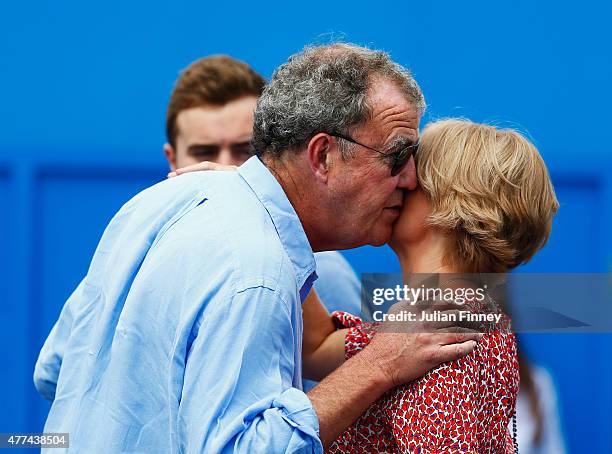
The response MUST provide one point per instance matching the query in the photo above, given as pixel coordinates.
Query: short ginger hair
(210, 81)
(488, 187)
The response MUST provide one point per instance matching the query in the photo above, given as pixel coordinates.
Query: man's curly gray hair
(323, 89)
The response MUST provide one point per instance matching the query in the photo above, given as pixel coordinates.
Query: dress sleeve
(359, 334)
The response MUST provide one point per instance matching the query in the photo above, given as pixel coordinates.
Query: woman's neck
(429, 254)
(427, 258)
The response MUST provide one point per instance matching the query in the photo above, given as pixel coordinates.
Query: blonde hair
(490, 188)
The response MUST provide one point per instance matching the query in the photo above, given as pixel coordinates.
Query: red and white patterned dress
(460, 407)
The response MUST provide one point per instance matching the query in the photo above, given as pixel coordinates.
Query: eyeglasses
(400, 158)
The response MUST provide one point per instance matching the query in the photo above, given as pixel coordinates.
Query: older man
(186, 333)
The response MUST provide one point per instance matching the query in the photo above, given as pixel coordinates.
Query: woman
(485, 205)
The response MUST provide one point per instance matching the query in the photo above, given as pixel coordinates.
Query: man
(210, 113)
(186, 333)
(210, 118)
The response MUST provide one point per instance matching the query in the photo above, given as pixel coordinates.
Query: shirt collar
(288, 226)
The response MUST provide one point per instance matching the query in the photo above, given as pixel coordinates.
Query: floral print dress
(462, 406)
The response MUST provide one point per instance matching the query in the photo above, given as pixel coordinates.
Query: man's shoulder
(228, 230)
(187, 185)
(223, 196)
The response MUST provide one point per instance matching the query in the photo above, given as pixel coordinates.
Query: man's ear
(170, 156)
(319, 157)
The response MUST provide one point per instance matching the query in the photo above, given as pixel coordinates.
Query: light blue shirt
(186, 333)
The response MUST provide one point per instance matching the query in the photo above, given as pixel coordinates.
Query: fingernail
(171, 174)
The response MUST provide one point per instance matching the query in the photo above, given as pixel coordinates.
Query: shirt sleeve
(238, 393)
(49, 362)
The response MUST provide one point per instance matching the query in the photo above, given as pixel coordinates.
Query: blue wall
(84, 87)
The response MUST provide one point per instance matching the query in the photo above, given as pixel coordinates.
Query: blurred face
(219, 134)
(368, 198)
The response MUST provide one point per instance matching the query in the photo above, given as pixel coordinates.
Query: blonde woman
(485, 204)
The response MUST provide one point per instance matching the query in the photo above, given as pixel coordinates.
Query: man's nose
(407, 177)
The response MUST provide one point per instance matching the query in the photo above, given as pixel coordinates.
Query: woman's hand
(204, 165)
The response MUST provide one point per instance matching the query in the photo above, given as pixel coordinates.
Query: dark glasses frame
(400, 158)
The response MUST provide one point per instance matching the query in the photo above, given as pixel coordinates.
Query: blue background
(84, 86)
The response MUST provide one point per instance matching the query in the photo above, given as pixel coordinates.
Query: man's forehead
(204, 124)
(396, 122)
